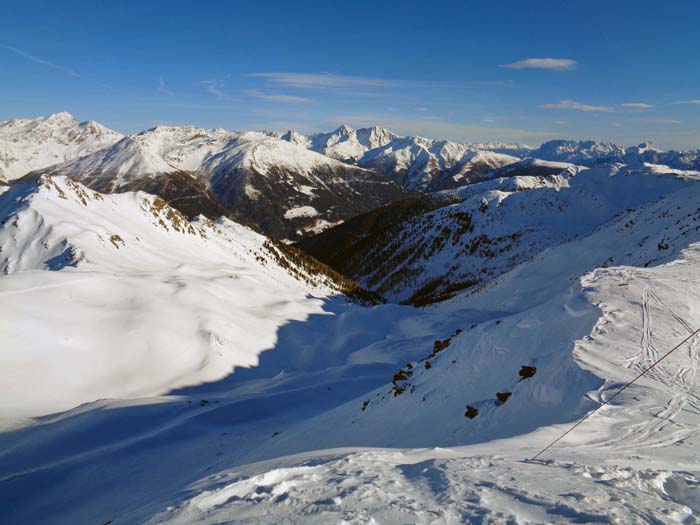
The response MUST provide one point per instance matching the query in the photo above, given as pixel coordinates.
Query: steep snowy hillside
(496, 225)
(281, 188)
(453, 399)
(136, 299)
(30, 144)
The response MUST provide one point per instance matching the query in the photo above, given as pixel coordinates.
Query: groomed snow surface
(117, 311)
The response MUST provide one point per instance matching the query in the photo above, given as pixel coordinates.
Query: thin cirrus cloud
(163, 88)
(695, 102)
(322, 81)
(213, 87)
(659, 121)
(543, 63)
(636, 105)
(41, 61)
(577, 106)
(280, 98)
(334, 81)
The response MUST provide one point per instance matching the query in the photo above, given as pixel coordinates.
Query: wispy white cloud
(213, 86)
(334, 81)
(577, 106)
(636, 105)
(323, 80)
(275, 97)
(695, 102)
(543, 63)
(163, 88)
(660, 121)
(41, 61)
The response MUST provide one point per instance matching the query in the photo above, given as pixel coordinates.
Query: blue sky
(625, 71)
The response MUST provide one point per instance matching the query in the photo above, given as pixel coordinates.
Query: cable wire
(621, 389)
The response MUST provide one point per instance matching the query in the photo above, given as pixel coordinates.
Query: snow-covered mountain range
(281, 188)
(417, 163)
(287, 185)
(591, 153)
(161, 369)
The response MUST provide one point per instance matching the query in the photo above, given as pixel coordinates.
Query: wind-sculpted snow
(436, 486)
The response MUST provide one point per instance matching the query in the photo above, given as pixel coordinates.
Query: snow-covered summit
(348, 144)
(578, 152)
(30, 144)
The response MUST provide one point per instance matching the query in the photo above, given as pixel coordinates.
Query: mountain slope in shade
(283, 189)
(30, 144)
(127, 297)
(493, 227)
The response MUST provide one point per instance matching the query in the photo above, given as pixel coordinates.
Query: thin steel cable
(622, 388)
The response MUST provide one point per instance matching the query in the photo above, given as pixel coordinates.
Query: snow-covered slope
(136, 299)
(589, 312)
(495, 226)
(258, 179)
(30, 144)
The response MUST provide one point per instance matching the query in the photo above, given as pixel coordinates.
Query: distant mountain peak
(30, 144)
(60, 118)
